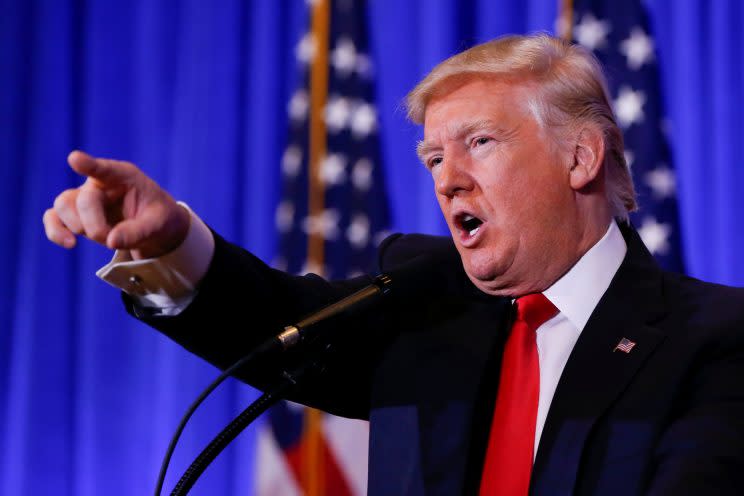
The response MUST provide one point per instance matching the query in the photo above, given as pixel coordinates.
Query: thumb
(128, 234)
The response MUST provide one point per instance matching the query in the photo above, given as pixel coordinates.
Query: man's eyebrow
(472, 127)
(423, 148)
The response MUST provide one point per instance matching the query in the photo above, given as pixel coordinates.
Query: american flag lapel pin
(625, 345)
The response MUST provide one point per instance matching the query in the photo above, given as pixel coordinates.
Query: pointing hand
(117, 206)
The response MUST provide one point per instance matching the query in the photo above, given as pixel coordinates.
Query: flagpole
(565, 19)
(313, 481)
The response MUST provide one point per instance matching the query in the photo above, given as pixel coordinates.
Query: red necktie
(508, 465)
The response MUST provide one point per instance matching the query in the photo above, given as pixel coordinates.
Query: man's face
(502, 185)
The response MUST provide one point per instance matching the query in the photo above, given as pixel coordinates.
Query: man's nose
(453, 175)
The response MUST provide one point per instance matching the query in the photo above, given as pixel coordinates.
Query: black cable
(239, 423)
(266, 346)
(219, 443)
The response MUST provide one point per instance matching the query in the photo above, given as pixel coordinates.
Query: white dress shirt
(168, 284)
(575, 295)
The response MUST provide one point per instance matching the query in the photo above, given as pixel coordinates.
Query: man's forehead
(477, 100)
(464, 114)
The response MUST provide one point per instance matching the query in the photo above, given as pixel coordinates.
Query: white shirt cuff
(168, 283)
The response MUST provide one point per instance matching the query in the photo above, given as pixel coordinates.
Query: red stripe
(335, 481)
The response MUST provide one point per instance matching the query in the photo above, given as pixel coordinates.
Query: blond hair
(571, 92)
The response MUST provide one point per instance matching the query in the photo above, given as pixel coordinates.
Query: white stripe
(348, 440)
(273, 475)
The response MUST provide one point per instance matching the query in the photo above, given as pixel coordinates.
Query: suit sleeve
(241, 302)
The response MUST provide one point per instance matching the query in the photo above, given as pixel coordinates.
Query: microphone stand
(246, 417)
(302, 331)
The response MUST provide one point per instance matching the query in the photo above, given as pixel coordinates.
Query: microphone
(413, 280)
(296, 333)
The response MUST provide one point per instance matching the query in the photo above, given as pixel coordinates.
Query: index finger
(103, 170)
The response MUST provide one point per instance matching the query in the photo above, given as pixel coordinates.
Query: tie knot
(534, 310)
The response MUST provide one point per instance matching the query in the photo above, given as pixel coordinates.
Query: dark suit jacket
(667, 418)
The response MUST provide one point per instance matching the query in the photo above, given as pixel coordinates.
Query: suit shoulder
(697, 292)
(715, 307)
(400, 248)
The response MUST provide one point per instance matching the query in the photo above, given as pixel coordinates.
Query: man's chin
(488, 281)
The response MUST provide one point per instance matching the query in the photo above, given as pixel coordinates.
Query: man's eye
(434, 161)
(482, 140)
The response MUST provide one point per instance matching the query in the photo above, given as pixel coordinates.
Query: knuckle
(89, 200)
(64, 200)
(96, 232)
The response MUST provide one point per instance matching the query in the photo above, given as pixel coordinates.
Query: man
(554, 357)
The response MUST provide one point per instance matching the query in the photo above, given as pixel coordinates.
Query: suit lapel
(596, 374)
(461, 368)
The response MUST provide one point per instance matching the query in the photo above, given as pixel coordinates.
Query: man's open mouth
(469, 223)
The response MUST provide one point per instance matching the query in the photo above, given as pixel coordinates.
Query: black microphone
(296, 333)
(414, 280)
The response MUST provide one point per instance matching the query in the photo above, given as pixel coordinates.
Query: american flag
(332, 215)
(618, 33)
(625, 345)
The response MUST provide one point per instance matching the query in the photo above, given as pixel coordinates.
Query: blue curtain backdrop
(195, 93)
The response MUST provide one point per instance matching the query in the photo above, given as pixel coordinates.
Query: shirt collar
(578, 292)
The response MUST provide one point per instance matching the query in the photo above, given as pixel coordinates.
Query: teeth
(473, 231)
(467, 217)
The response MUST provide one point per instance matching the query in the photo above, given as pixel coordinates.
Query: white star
(655, 235)
(629, 158)
(292, 161)
(297, 107)
(333, 169)
(306, 48)
(591, 32)
(284, 216)
(361, 174)
(358, 231)
(343, 57)
(629, 106)
(325, 224)
(363, 121)
(638, 49)
(661, 181)
(337, 113)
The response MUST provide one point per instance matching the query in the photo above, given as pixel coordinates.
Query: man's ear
(588, 157)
